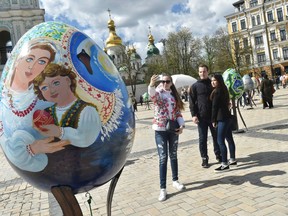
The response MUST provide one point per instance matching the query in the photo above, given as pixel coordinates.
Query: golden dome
(113, 39)
(151, 38)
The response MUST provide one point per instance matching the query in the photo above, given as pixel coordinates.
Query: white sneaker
(178, 185)
(162, 195)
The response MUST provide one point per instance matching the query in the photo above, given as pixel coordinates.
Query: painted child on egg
(74, 119)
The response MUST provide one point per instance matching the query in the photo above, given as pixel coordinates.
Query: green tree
(130, 68)
(210, 51)
(224, 56)
(182, 50)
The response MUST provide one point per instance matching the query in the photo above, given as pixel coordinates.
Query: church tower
(153, 53)
(16, 18)
(114, 47)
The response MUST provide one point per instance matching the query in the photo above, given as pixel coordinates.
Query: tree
(155, 68)
(210, 51)
(224, 57)
(130, 68)
(232, 51)
(182, 49)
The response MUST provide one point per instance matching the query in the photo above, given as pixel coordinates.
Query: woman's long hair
(223, 88)
(179, 102)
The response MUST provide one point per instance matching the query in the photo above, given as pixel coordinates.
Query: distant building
(262, 25)
(120, 54)
(16, 18)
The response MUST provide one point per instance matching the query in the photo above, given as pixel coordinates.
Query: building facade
(16, 18)
(261, 25)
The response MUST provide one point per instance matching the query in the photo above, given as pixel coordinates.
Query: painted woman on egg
(74, 119)
(18, 103)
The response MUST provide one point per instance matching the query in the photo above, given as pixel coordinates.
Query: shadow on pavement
(262, 159)
(11, 182)
(254, 178)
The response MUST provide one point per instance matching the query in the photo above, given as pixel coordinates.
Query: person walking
(167, 105)
(141, 100)
(221, 120)
(266, 90)
(134, 102)
(200, 108)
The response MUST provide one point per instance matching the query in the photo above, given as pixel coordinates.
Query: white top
(89, 126)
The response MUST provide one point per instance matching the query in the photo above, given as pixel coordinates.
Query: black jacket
(199, 102)
(220, 109)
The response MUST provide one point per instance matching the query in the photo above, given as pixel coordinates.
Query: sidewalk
(257, 186)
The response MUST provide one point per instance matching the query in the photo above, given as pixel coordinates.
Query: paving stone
(257, 186)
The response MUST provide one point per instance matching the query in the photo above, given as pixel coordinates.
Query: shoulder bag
(172, 125)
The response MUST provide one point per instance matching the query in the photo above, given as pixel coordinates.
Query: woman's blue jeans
(167, 143)
(224, 132)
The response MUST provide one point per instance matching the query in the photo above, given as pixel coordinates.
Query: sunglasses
(166, 81)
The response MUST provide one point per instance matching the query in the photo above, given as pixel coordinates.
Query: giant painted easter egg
(255, 82)
(234, 83)
(248, 83)
(66, 118)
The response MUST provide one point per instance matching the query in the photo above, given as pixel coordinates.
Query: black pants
(203, 133)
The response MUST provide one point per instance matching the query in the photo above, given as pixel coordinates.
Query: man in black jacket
(200, 108)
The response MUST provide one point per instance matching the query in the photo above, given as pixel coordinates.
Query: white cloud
(132, 18)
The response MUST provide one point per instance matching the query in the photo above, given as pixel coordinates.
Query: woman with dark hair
(168, 105)
(221, 118)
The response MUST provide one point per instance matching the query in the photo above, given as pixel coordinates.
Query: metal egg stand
(69, 204)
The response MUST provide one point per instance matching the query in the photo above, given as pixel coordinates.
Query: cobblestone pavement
(257, 186)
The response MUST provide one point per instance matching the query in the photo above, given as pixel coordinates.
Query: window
(272, 35)
(247, 59)
(234, 27)
(236, 44)
(253, 3)
(270, 16)
(253, 21)
(258, 39)
(280, 14)
(258, 20)
(261, 57)
(285, 53)
(282, 34)
(275, 54)
(245, 42)
(243, 24)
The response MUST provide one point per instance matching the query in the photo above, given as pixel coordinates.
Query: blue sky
(133, 18)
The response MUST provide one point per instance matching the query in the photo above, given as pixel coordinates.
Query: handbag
(233, 123)
(172, 125)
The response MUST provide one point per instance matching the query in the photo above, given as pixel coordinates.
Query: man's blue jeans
(203, 133)
(167, 143)
(224, 132)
